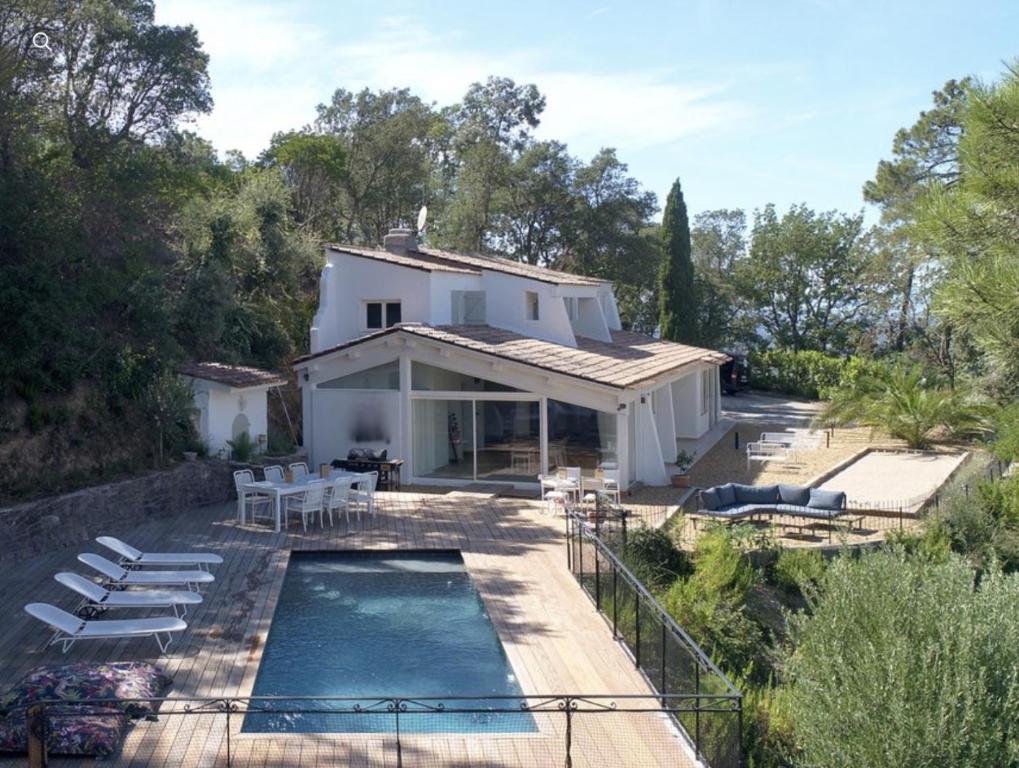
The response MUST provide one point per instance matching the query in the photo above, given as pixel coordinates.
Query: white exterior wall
(441, 286)
(665, 422)
(687, 394)
(350, 281)
(507, 308)
(220, 405)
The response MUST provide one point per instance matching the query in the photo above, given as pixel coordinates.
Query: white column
(665, 419)
(650, 464)
(623, 446)
(307, 415)
(543, 434)
(406, 436)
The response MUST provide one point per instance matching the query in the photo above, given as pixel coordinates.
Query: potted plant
(683, 461)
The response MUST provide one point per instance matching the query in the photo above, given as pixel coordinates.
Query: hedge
(806, 373)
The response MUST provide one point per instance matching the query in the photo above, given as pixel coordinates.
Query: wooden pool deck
(555, 640)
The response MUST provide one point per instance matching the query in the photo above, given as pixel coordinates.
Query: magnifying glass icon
(42, 41)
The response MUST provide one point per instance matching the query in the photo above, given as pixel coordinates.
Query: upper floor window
(379, 312)
(531, 305)
(467, 307)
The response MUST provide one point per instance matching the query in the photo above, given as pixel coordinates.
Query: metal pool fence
(670, 661)
(554, 731)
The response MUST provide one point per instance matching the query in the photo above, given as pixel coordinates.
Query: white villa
(476, 368)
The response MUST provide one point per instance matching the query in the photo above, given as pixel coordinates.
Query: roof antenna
(422, 219)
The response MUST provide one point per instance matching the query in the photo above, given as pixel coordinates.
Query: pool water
(377, 624)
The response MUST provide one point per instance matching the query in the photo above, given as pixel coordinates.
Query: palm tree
(902, 402)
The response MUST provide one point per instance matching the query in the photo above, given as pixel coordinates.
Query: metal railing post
(399, 744)
(697, 709)
(569, 543)
(597, 580)
(636, 607)
(35, 718)
(615, 602)
(568, 708)
(229, 761)
(663, 690)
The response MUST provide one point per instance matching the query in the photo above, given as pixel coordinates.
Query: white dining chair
(307, 504)
(299, 471)
(338, 498)
(252, 501)
(364, 493)
(575, 477)
(610, 483)
(274, 473)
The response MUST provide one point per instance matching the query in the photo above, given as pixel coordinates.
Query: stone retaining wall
(75, 518)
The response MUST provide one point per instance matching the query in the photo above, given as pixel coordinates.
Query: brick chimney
(399, 241)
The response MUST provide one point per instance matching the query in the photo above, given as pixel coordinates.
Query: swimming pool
(383, 624)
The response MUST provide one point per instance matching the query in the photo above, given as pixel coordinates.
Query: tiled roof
(239, 376)
(434, 260)
(627, 361)
(417, 261)
(509, 266)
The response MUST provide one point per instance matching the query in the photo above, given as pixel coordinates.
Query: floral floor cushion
(84, 682)
(72, 729)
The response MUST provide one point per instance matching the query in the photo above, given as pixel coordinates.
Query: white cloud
(270, 67)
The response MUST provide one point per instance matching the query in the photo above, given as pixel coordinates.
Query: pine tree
(677, 301)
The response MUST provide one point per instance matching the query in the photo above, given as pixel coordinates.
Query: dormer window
(379, 312)
(531, 305)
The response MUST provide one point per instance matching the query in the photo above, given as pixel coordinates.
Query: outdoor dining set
(296, 491)
(569, 486)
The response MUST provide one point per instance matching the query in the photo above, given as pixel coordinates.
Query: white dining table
(280, 490)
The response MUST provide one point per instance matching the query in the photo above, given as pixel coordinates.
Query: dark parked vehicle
(735, 374)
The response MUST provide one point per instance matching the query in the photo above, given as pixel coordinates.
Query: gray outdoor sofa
(733, 502)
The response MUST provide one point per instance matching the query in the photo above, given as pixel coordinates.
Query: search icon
(41, 41)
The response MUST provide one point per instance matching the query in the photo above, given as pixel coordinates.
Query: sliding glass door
(497, 439)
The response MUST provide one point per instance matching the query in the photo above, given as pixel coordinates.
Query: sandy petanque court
(893, 479)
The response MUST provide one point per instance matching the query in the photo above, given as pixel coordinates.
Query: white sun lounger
(124, 578)
(68, 629)
(131, 557)
(97, 599)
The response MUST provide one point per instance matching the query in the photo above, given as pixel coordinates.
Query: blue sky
(751, 102)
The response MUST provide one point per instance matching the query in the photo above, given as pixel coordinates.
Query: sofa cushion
(726, 494)
(72, 729)
(797, 495)
(756, 494)
(710, 499)
(735, 513)
(820, 499)
(79, 682)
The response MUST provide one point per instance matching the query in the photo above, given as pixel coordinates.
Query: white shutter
(456, 309)
(474, 307)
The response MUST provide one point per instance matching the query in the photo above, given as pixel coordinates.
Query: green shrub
(806, 373)
(902, 662)
(1006, 439)
(711, 604)
(796, 570)
(242, 447)
(653, 558)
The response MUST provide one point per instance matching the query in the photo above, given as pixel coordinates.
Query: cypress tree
(677, 313)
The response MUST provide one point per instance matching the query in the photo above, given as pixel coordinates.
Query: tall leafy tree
(386, 140)
(973, 225)
(925, 156)
(314, 169)
(677, 300)
(489, 130)
(805, 278)
(719, 249)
